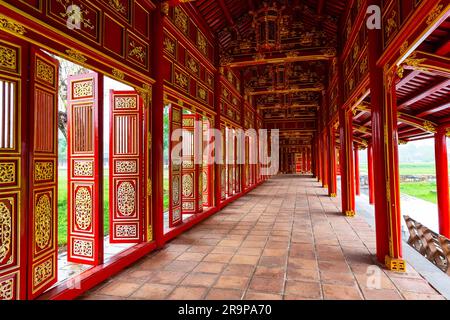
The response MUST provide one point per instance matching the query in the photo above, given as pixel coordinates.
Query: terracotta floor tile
(302, 289)
(284, 240)
(153, 291)
(167, 277)
(238, 270)
(187, 293)
(267, 285)
(119, 289)
(224, 294)
(250, 295)
(242, 259)
(218, 257)
(339, 292)
(231, 282)
(209, 267)
(199, 280)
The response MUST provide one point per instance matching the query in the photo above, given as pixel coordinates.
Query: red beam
(227, 14)
(444, 50)
(434, 110)
(320, 7)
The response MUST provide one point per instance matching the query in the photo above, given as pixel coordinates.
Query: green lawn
(422, 190)
(409, 168)
(62, 206)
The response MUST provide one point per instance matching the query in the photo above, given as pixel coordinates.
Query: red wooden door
(43, 210)
(126, 168)
(223, 166)
(175, 178)
(192, 184)
(207, 190)
(13, 173)
(85, 171)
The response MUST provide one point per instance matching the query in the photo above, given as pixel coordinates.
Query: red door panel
(85, 174)
(13, 173)
(43, 210)
(126, 168)
(175, 178)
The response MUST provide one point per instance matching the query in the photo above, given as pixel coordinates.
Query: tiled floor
(284, 240)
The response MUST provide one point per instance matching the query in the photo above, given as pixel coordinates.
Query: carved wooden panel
(85, 236)
(175, 174)
(126, 168)
(43, 244)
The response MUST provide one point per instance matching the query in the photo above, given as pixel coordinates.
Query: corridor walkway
(284, 240)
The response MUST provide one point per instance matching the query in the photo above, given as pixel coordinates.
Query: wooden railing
(431, 245)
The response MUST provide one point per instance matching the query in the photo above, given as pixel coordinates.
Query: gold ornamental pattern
(45, 72)
(8, 58)
(6, 289)
(42, 272)
(176, 190)
(187, 185)
(83, 208)
(43, 221)
(125, 103)
(5, 231)
(83, 89)
(126, 166)
(83, 168)
(83, 248)
(126, 198)
(7, 172)
(43, 171)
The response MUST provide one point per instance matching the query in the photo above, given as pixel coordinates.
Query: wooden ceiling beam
(424, 94)
(320, 7)
(228, 16)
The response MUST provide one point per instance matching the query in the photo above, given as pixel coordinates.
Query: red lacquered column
(357, 181)
(157, 126)
(442, 181)
(370, 174)
(332, 183)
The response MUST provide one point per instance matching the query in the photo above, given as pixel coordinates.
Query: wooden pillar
(325, 159)
(370, 174)
(385, 156)
(442, 181)
(319, 159)
(357, 179)
(157, 126)
(332, 182)
(219, 142)
(346, 163)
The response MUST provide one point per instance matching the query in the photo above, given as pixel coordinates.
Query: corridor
(285, 240)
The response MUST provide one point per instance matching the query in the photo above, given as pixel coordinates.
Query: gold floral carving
(202, 93)
(169, 45)
(43, 221)
(8, 58)
(7, 172)
(75, 55)
(6, 289)
(83, 168)
(7, 24)
(145, 92)
(202, 44)
(429, 126)
(42, 272)
(434, 14)
(391, 25)
(6, 228)
(83, 208)
(43, 171)
(126, 231)
(137, 52)
(126, 199)
(83, 248)
(118, 74)
(192, 65)
(404, 48)
(188, 187)
(176, 190)
(125, 103)
(45, 72)
(75, 14)
(181, 80)
(83, 89)
(181, 19)
(126, 166)
(117, 6)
